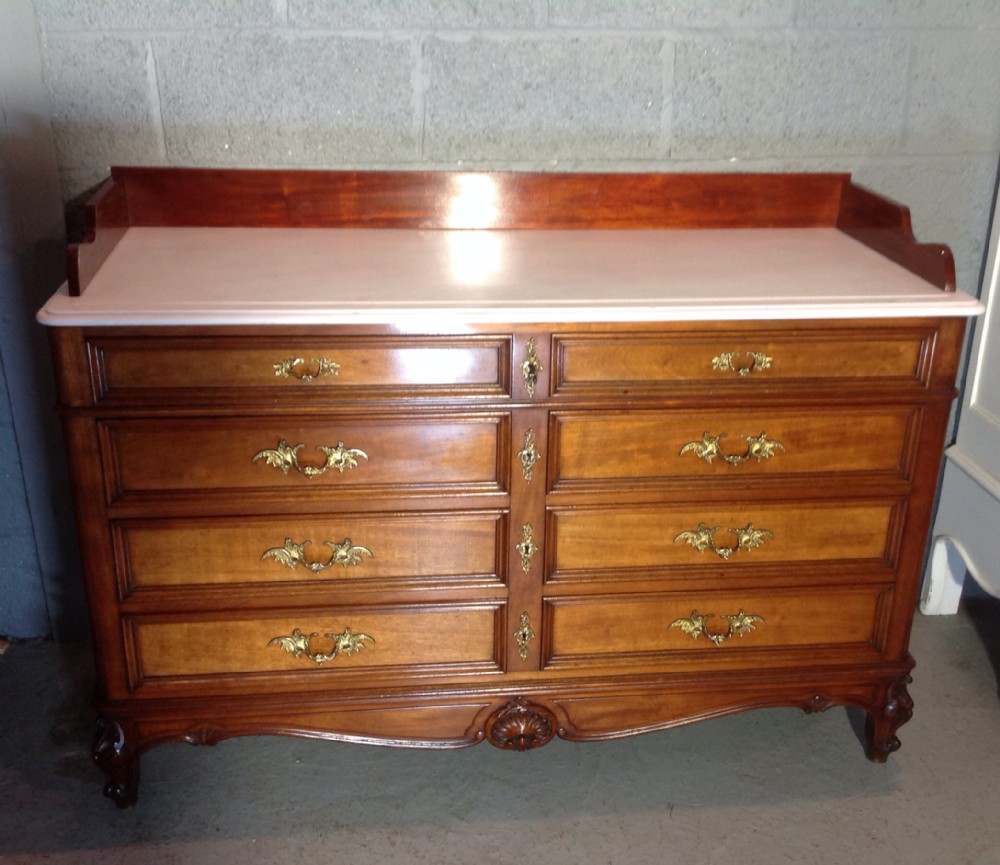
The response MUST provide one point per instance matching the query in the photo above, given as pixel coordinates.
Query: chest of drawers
(357, 460)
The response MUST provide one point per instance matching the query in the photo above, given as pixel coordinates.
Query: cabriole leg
(114, 754)
(881, 725)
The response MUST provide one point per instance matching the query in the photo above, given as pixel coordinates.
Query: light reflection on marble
(475, 256)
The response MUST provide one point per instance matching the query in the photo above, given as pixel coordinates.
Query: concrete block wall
(903, 93)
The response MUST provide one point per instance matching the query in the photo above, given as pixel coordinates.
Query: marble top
(421, 279)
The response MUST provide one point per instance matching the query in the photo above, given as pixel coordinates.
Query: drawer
(777, 627)
(403, 454)
(221, 369)
(330, 643)
(624, 541)
(423, 549)
(740, 444)
(744, 356)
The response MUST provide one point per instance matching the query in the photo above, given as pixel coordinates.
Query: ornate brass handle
(527, 548)
(703, 538)
(528, 455)
(288, 368)
(758, 448)
(531, 368)
(292, 555)
(739, 624)
(285, 457)
(298, 644)
(524, 635)
(726, 362)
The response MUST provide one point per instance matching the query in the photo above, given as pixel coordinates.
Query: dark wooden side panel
(107, 217)
(71, 366)
(885, 226)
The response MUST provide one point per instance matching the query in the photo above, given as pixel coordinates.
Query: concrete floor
(771, 786)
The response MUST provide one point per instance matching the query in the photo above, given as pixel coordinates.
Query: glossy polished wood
(796, 628)
(442, 199)
(423, 550)
(659, 363)
(647, 446)
(641, 537)
(461, 200)
(459, 639)
(217, 369)
(176, 518)
(885, 227)
(400, 452)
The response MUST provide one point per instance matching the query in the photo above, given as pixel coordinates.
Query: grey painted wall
(40, 588)
(905, 94)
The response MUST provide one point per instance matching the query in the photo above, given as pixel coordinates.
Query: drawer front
(743, 356)
(403, 453)
(777, 627)
(343, 549)
(594, 447)
(336, 642)
(618, 541)
(242, 368)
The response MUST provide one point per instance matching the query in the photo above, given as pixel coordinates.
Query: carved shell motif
(521, 725)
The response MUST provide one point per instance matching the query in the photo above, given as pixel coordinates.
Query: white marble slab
(412, 278)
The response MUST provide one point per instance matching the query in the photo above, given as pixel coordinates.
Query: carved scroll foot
(520, 725)
(881, 726)
(113, 754)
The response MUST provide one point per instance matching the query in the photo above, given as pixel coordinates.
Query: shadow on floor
(984, 614)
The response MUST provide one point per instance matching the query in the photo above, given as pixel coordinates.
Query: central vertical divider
(529, 461)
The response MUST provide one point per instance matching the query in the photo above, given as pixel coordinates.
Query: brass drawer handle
(298, 645)
(726, 362)
(739, 624)
(703, 538)
(289, 368)
(285, 457)
(758, 448)
(531, 368)
(292, 555)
